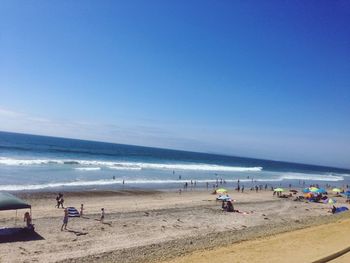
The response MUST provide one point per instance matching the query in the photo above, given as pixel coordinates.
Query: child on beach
(28, 220)
(102, 215)
(65, 220)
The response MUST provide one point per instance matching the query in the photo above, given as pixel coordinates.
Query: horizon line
(182, 150)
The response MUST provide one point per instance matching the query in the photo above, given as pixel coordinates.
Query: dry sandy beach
(154, 226)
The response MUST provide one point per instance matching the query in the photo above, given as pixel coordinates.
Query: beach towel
(73, 212)
(341, 209)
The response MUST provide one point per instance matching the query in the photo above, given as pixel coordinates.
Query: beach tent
(11, 202)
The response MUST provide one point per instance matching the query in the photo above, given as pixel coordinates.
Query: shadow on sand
(77, 233)
(8, 235)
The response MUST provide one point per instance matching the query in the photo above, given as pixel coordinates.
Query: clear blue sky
(266, 79)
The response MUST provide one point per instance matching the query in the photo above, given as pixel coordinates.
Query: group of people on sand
(66, 216)
(227, 206)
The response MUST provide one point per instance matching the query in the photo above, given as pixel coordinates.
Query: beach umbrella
(221, 190)
(73, 212)
(224, 198)
(320, 191)
(306, 190)
(278, 190)
(331, 201)
(313, 189)
(337, 190)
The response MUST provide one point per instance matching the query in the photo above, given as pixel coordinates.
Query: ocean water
(41, 163)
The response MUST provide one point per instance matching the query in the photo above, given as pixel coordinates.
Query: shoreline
(148, 226)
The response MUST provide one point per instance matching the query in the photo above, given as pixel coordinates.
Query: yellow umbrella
(337, 190)
(278, 190)
(313, 189)
(221, 190)
(331, 201)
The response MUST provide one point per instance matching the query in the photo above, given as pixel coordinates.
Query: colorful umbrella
(306, 190)
(337, 190)
(221, 190)
(313, 189)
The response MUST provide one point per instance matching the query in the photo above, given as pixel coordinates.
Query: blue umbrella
(306, 190)
(347, 193)
(321, 191)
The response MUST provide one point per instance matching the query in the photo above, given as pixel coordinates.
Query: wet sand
(149, 226)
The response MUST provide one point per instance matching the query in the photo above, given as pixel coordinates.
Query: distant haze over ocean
(31, 162)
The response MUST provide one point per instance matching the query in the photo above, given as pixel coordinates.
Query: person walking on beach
(58, 200)
(61, 202)
(65, 220)
(102, 215)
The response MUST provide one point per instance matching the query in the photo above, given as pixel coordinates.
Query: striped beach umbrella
(73, 212)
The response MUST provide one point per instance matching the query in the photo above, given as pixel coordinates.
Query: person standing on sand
(81, 209)
(102, 215)
(65, 220)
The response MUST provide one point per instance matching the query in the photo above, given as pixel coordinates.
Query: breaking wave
(129, 165)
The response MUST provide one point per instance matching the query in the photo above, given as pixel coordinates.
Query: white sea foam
(281, 177)
(88, 168)
(313, 177)
(124, 168)
(130, 165)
